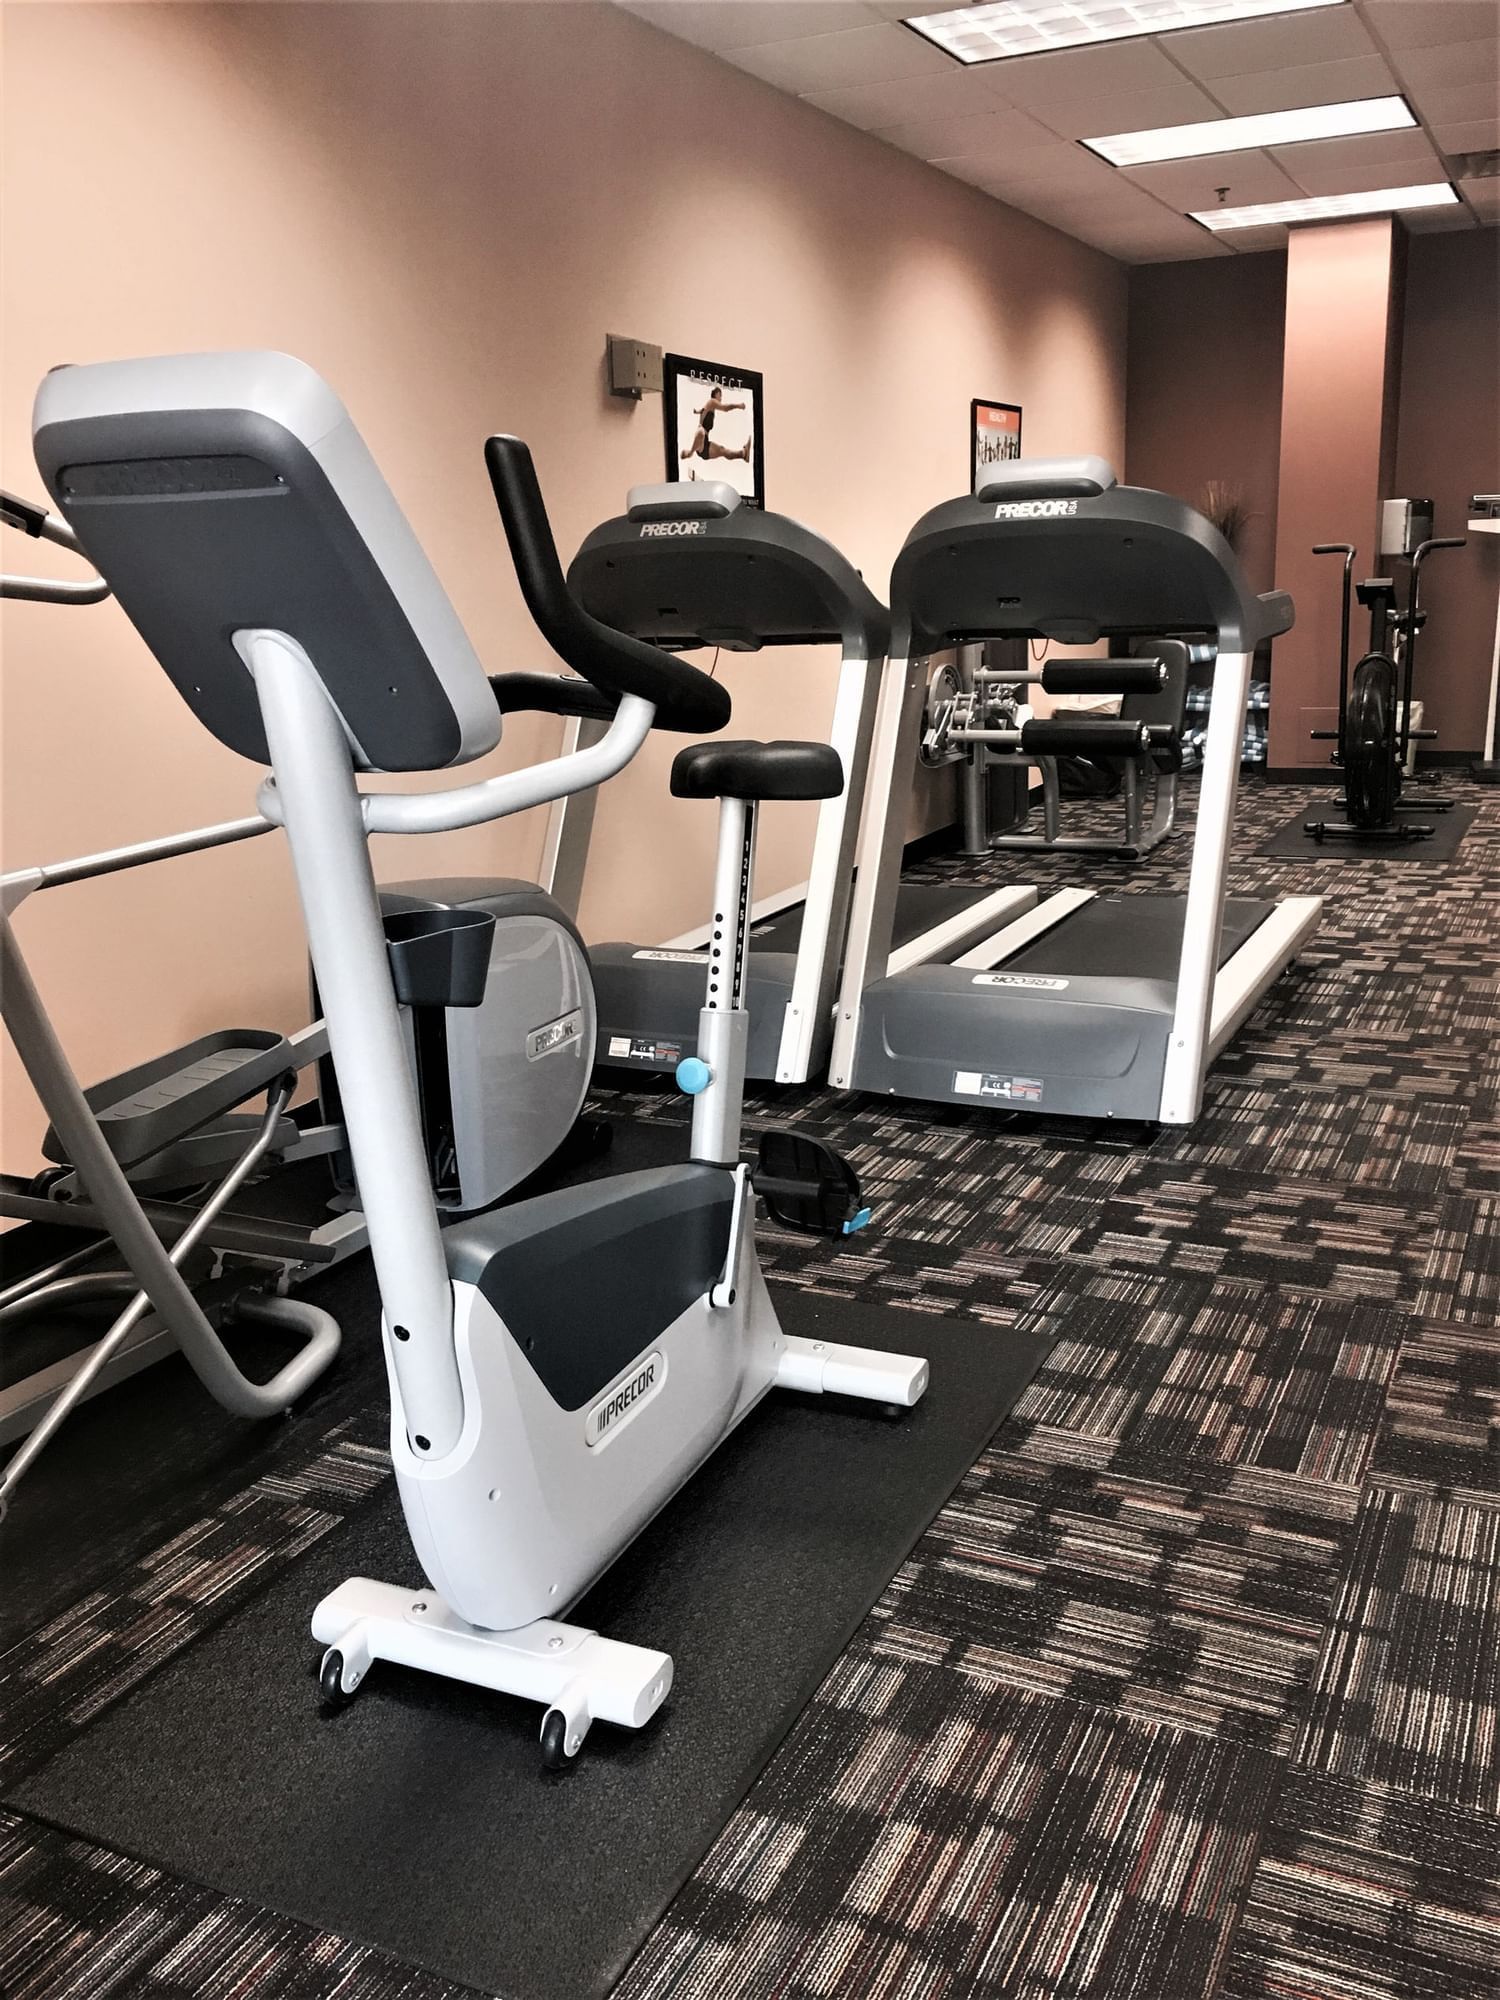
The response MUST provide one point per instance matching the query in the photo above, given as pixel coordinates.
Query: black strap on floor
(419, 1820)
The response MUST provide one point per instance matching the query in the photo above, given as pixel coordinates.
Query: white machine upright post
(570, 825)
(825, 915)
(1187, 1045)
(882, 840)
(326, 832)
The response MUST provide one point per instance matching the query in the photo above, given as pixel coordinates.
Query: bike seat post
(723, 1025)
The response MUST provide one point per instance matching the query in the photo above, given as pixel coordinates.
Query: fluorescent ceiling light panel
(1264, 128)
(1327, 207)
(1001, 28)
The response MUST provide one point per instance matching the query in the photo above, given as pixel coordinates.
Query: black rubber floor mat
(419, 1820)
(1293, 843)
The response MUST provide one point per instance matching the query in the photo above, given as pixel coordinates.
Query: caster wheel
(331, 1680)
(554, 1740)
(893, 1412)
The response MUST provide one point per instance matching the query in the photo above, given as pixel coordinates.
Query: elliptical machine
(1375, 733)
(168, 1145)
(560, 1368)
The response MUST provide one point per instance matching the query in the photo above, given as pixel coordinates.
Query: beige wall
(445, 208)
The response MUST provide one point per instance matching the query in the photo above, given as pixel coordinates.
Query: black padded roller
(1084, 736)
(1104, 677)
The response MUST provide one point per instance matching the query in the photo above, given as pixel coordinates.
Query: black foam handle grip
(19, 513)
(1333, 548)
(1084, 736)
(551, 694)
(1104, 677)
(684, 699)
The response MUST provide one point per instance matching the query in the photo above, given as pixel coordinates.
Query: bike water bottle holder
(806, 1186)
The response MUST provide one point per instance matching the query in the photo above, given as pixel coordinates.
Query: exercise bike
(559, 1368)
(1375, 733)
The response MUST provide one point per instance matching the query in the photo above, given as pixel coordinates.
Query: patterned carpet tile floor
(1191, 1691)
(1367, 1893)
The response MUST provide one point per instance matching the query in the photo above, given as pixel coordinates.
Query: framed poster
(994, 435)
(713, 423)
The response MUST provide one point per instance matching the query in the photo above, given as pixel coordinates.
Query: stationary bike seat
(757, 771)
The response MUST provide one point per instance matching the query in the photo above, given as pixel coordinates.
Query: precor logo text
(1034, 510)
(606, 1416)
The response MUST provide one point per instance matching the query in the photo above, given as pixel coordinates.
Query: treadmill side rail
(937, 946)
(1031, 920)
(1258, 964)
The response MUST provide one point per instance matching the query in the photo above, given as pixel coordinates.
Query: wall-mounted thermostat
(634, 367)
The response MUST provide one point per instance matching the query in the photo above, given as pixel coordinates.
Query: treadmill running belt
(919, 905)
(1130, 937)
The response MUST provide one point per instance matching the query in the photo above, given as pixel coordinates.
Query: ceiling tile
(1476, 135)
(1065, 166)
(1328, 34)
(1245, 242)
(1324, 178)
(1151, 241)
(1455, 62)
(734, 24)
(1484, 198)
(1424, 24)
(991, 133)
(1318, 83)
(1330, 166)
(908, 10)
(1032, 81)
(1438, 221)
(882, 54)
(1456, 104)
(877, 106)
(1190, 184)
(1180, 103)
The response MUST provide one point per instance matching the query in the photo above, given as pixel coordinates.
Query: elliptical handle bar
(1419, 555)
(684, 699)
(44, 527)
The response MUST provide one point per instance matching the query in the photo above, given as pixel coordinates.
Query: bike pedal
(807, 1186)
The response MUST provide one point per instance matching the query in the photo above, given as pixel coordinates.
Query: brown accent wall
(1335, 432)
(1206, 348)
(1448, 447)
(1203, 397)
(446, 209)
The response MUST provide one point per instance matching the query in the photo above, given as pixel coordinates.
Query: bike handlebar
(45, 527)
(684, 699)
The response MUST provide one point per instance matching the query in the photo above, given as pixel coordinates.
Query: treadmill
(689, 565)
(1091, 1005)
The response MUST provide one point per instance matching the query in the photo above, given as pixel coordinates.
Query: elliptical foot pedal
(805, 1185)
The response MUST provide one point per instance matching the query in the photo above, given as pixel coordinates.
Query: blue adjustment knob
(693, 1075)
(859, 1220)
